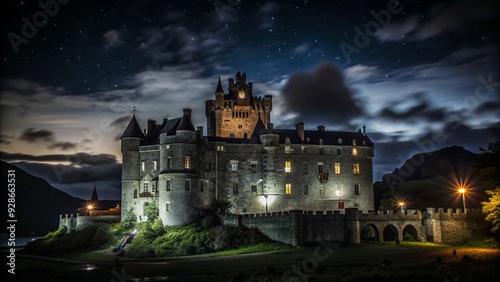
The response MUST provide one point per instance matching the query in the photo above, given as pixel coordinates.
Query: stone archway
(390, 233)
(370, 232)
(410, 233)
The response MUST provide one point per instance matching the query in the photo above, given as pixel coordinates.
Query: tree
(491, 209)
(221, 206)
(386, 204)
(152, 211)
(129, 219)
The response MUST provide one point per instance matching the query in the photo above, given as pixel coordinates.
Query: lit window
(355, 168)
(339, 151)
(187, 162)
(320, 167)
(169, 163)
(169, 185)
(220, 148)
(337, 168)
(288, 189)
(143, 166)
(304, 168)
(187, 185)
(356, 189)
(354, 151)
(288, 167)
(241, 94)
(253, 189)
(305, 188)
(155, 165)
(167, 207)
(235, 189)
(354, 142)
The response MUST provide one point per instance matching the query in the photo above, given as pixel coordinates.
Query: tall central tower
(234, 115)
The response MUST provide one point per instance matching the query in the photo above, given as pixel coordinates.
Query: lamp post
(89, 209)
(402, 206)
(462, 191)
(265, 196)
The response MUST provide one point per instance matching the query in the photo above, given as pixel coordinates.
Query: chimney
(165, 120)
(299, 128)
(321, 128)
(200, 129)
(187, 112)
(151, 125)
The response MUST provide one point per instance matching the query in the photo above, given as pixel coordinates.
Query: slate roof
(133, 130)
(171, 126)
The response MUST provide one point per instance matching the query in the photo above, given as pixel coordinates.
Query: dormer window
(241, 94)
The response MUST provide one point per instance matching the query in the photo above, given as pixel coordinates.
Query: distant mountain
(37, 204)
(431, 180)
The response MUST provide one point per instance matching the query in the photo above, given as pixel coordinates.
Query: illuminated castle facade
(243, 160)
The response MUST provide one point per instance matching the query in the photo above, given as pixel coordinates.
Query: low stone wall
(79, 222)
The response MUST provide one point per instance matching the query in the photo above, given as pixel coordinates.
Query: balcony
(148, 194)
(323, 178)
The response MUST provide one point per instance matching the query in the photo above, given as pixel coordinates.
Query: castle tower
(184, 190)
(235, 114)
(131, 140)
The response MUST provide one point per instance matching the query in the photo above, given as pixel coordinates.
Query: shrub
(408, 237)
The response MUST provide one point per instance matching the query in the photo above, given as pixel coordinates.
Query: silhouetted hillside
(38, 204)
(431, 180)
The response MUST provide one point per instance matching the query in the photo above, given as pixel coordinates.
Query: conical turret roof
(219, 87)
(185, 123)
(133, 130)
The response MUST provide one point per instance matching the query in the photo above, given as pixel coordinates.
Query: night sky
(421, 75)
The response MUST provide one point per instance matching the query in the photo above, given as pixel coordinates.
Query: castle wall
(79, 222)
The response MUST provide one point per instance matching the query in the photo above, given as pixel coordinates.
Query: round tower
(131, 140)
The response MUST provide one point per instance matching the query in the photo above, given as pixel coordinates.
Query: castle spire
(133, 129)
(94, 198)
(219, 87)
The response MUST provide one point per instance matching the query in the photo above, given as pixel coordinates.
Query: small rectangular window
(340, 205)
(354, 151)
(304, 168)
(169, 185)
(202, 184)
(135, 193)
(305, 189)
(167, 207)
(288, 189)
(320, 167)
(337, 168)
(288, 167)
(155, 165)
(339, 151)
(338, 191)
(355, 168)
(220, 148)
(187, 185)
(145, 187)
(253, 167)
(207, 167)
(288, 149)
(187, 162)
(143, 166)
(356, 189)
(169, 162)
(253, 189)
(234, 166)
(322, 190)
(235, 189)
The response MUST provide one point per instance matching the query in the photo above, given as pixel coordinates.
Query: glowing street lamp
(265, 196)
(89, 208)
(462, 191)
(402, 206)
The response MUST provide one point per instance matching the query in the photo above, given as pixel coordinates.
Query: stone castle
(295, 185)
(243, 160)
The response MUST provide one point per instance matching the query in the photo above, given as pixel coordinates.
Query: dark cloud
(31, 135)
(418, 108)
(320, 95)
(62, 145)
(81, 159)
(4, 139)
(490, 106)
(121, 121)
